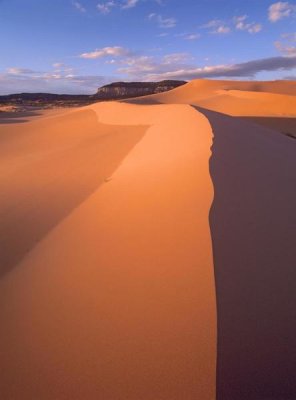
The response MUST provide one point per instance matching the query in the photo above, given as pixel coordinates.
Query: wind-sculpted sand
(49, 167)
(149, 248)
(234, 98)
(117, 300)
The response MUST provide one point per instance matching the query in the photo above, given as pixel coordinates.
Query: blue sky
(67, 46)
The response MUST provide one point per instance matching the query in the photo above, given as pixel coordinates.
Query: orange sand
(107, 284)
(117, 300)
(234, 97)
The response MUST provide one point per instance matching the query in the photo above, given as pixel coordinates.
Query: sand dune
(148, 249)
(252, 223)
(242, 103)
(198, 85)
(117, 301)
(234, 97)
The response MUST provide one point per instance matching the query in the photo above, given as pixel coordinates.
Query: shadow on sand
(253, 222)
(142, 101)
(285, 125)
(17, 117)
(49, 172)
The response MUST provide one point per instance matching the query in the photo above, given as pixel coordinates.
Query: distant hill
(113, 91)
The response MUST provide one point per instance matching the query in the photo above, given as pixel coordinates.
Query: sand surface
(48, 167)
(148, 249)
(277, 98)
(117, 299)
(253, 221)
(285, 125)
(19, 115)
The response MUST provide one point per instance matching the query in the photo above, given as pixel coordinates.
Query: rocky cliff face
(121, 90)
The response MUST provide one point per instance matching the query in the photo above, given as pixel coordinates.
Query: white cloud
(130, 4)
(60, 68)
(280, 10)
(284, 49)
(217, 27)
(112, 61)
(19, 71)
(180, 66)
(241, 24)
(188, 36)
(163, 22)
(144, 68)
(79, 6)
(175, 58)
(287, 44)
(138, 67)
(289, 36)
(16, 80)
(212, 24)
(58, 65)
(106, 7)
(255, 28)
(222, 29)
(163, 34)
(247, 69)
(115, 51)
(192, 36)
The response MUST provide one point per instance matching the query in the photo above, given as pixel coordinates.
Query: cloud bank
(115, 51)
(149, 69)
(280, 10)
(63, 79)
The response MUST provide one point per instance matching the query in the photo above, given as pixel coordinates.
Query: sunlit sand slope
(117, 301)
(235, 98)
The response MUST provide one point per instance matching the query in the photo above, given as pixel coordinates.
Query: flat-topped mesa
(121, 90)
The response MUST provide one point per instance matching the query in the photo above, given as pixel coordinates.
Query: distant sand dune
(233, 97)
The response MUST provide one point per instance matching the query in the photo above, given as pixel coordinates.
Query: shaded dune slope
(49, 167)
(253, 223)
(285, 125)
